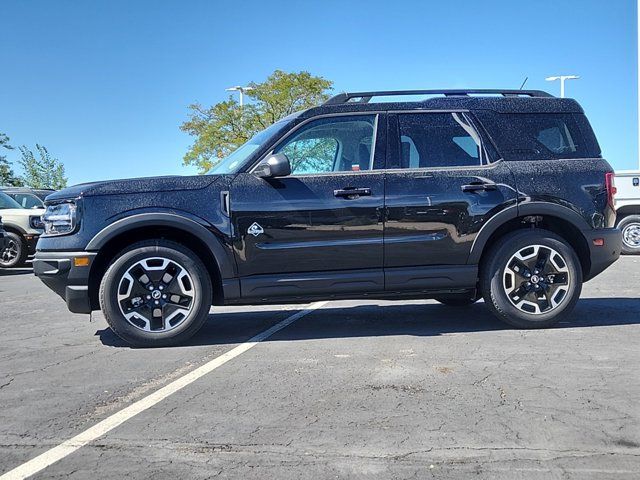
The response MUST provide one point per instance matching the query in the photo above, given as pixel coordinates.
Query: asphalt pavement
(350, 390)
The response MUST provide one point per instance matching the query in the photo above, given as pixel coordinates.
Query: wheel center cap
(535, 278)
(156, 294)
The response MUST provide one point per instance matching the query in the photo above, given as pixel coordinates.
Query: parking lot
(349, 390)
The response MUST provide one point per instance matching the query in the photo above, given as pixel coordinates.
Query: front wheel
(14, 254)
(532, 279)
(630, 228)
(156, 293)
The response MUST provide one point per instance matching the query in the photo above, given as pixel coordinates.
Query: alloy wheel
(156, 294)
(536, 279)
(9, 253)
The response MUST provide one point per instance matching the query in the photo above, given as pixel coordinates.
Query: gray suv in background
(28, 197)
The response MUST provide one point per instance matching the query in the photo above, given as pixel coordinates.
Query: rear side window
(541, 136)
(27, 200)
(430, 140)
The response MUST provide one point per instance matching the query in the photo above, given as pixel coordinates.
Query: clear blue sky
(106, 84)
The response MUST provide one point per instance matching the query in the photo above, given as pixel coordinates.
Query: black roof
(501, 101)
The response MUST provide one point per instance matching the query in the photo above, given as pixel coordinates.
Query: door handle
(478, 187)
(352, 193)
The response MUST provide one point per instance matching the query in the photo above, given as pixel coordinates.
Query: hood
(21, 212)
(135, 185)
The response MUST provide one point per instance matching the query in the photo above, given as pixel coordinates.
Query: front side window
(333, 144)
(431, 140)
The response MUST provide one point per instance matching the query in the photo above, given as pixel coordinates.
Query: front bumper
(32, 240)
(58, 272)
(602, 256)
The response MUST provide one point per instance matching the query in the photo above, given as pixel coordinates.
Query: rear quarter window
(541, 136)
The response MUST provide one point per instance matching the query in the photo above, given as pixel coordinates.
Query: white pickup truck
(627, 201)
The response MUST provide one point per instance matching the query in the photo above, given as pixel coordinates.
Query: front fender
(223, 258)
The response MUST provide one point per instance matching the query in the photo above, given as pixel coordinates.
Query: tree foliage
(223, 127)
(43, 171)
(7, 177)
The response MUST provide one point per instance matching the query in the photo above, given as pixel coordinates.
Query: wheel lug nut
(148, 297)
(161, 287)
(150, 287)
(157, 302)
(164, 296)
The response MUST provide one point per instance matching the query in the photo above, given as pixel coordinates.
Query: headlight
(60, 219)
(36, 222)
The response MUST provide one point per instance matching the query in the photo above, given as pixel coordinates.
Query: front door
(441, 187)
(320, 229)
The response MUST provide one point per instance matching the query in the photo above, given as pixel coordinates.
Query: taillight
(609, 180)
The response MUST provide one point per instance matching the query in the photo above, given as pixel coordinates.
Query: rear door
(320, 229)
(441, 188)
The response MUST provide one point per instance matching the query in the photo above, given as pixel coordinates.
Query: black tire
(494, 282)
(630, 227)
(14, 254)
(198, 281)
(457, 300)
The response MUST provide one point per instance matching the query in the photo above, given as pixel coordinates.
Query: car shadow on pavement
(5, 272)
(371, 320)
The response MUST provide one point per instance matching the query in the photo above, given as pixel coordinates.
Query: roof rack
(365, 97)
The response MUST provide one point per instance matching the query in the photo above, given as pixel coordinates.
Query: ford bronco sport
(499, 194)
(22, 228)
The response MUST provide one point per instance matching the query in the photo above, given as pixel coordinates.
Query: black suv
(496, 193)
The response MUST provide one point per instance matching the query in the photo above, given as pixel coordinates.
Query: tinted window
(541, 136)
(430, 140)
(335, 144)
(27, 200)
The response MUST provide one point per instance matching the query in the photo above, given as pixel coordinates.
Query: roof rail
(365, 97)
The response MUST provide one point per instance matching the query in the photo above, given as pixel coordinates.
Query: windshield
(7, 202)
(237, 159)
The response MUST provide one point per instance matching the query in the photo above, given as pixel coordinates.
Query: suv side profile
(501, 194)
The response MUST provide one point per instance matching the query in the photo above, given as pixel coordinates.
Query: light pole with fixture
(240, 89)
(562, 78)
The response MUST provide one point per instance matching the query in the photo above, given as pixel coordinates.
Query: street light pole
(562, 79)
(638, 65)
(240, 89)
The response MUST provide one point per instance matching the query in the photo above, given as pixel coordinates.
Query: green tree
(223, 127)
(43, 171)
(7, 177)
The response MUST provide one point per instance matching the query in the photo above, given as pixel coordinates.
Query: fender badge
(255, 229)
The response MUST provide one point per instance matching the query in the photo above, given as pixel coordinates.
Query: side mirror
(273, 166)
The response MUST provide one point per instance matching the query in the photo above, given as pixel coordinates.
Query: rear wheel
(15, 252)
(156, 293)
(532, 279)
(630, 228)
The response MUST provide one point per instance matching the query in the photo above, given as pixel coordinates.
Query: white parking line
(69, 446)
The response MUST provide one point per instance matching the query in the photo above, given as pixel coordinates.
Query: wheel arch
(14, 229)
(625, 211)
(558, 219)
(149, 226)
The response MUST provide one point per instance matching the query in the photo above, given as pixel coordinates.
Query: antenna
(525, 81)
